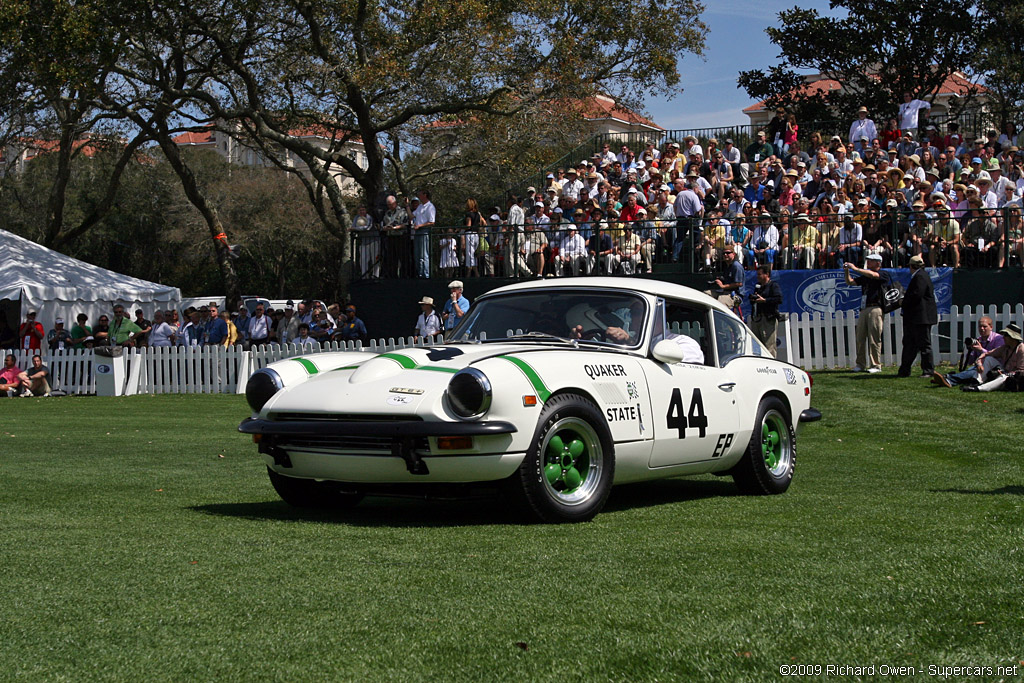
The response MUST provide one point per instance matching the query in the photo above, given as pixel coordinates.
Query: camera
(969, 342)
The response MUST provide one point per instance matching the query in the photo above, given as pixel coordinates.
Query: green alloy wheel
(776, 446)
(767, 465)
(572, 460)
(567, 474)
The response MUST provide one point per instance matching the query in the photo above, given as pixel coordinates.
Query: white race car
(555, 390)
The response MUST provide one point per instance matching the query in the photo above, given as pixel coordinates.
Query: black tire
(567, 473)
(767, 466)
(310, 494)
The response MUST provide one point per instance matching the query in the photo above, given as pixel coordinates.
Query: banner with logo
(826, 291)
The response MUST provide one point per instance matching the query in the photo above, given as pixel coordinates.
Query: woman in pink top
(790, 136)
(960, 206)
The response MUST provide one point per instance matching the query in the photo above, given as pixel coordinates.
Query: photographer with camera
(727, 288)
(971, 364)
(764, 308)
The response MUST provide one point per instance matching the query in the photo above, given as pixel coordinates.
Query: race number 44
(680, 419)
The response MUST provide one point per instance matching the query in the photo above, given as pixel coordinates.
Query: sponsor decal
(827, 292)
(790, 375)
(405, 390)
(399, 400)
(767, 371)
(595, 371)
(631, 390)
(622, 413)
(104, 369)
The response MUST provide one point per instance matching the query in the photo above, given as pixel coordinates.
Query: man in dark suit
(919, 314)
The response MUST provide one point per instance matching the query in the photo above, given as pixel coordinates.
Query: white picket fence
(185, 370)
(812, 342)
(819, 342)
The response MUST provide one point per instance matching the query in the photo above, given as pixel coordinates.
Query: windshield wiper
(543, 336)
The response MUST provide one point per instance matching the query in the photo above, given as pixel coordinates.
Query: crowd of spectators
(308, 322)
(903, 188)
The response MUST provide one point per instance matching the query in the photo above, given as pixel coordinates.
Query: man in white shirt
(572, 186)
(765, 240)
(423, 218)
(989, 200)
(623, 156)
(862, 127)
(909, 111)
(259, 327)
(429, 323)
(572, 252)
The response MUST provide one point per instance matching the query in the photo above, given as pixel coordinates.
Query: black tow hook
(280, 455)
(403, 448)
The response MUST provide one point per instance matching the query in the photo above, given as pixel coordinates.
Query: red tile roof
(195, 138)
(596, 108)
(34, 147)
(955, 84)
(600, 107)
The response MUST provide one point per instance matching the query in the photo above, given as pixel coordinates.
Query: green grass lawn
(141, 540)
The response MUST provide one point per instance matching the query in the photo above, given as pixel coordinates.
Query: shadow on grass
(1012, 490)
(666, 491)
(376, 511)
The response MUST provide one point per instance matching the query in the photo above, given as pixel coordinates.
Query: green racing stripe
(410, 364)
(538, 384)
(310, 367)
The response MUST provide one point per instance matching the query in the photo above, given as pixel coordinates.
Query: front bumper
(396, 429)
(405, 439)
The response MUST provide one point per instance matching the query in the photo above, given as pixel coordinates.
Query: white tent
(58, 286)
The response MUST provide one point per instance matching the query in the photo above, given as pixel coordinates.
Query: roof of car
(639, 285)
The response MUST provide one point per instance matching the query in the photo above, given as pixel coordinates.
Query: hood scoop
(375, 369)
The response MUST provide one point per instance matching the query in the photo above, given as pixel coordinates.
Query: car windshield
(580, 315)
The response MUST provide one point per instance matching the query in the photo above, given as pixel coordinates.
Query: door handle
(726, 386)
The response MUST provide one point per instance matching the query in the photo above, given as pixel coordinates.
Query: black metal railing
(959, 238)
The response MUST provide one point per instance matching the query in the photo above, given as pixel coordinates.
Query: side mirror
(667, 351)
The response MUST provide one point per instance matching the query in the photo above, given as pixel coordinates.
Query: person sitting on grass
(10, 376)
(997, 365)
(35, 380)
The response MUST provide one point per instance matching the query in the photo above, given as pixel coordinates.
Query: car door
(694, 405)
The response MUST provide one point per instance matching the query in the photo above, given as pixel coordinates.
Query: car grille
(362, 445)
(369, 445)
(341, 417)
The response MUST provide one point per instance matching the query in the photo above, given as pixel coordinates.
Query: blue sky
(736, 42)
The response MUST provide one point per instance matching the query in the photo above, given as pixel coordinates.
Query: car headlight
(469, 393)
(261, 387)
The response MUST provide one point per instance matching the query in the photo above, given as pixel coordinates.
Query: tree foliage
(282, 76)
(877, 51)
(1001, 62)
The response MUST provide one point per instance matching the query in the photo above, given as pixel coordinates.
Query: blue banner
(826, 291)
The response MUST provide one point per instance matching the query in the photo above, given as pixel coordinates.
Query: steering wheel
(595, 334)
